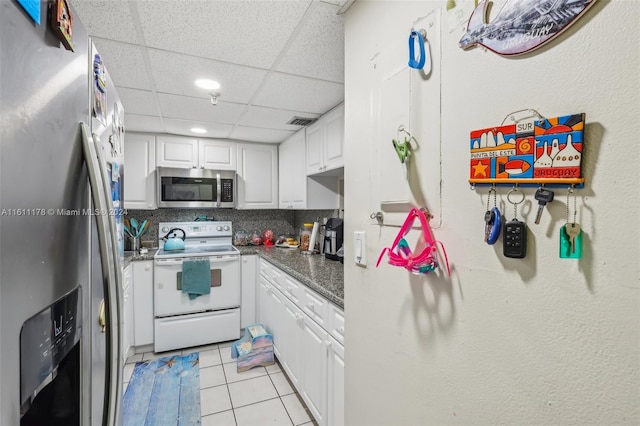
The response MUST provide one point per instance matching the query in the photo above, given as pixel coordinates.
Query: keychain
(492, 219)
(515, 232)
(570, 233)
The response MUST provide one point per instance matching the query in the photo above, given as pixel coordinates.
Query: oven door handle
(212, 260)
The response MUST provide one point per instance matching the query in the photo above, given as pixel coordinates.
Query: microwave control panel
(227, 190)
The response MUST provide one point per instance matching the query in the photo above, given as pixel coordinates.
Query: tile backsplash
(279, 221)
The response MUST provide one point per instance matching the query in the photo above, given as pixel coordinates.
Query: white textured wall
(536, 341)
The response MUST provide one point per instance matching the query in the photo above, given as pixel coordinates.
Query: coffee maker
(333, 234)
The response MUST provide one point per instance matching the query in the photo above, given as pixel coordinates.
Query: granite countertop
(315, 271)
(133, 256)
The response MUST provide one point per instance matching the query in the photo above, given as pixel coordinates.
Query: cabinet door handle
(341, 330)
(311, 306)
(327, 343)
(147, 268)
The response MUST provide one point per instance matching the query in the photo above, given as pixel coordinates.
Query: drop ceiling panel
(183, 127)
(271, 118)
(323, 36)
(295, 93)
(142, 123)
(135, 101)
(198, 109)
(124, 63)
(176, 73)
(106, 19)
(244, 32)
(256, 134)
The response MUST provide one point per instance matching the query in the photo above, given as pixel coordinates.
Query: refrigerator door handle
(110, 276)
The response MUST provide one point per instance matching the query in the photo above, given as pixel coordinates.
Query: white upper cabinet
(140, 166)
(293, 177)
(187, 153)
(177, 151)
(297, 191)
(333, 153)
(257, 176)
(217, 155)
(315, 141)
(325, 143)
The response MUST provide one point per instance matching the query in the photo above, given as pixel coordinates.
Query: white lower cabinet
(335, 375)
(314, 369)
(291, 355)
(143, 299)
(248, 275)
(302, 324)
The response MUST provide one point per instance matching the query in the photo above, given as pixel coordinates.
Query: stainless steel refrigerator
(61, 251)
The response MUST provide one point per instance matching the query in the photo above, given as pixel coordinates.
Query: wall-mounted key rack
(533, 150)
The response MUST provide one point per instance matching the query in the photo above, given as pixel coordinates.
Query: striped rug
(164, 391)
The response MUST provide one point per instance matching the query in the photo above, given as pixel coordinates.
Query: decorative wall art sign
(521, 25)
(545, 151)
(62, 22)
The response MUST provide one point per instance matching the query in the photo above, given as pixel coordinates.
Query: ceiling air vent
(301, 121)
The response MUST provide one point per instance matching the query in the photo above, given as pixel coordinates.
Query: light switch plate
(360, 248)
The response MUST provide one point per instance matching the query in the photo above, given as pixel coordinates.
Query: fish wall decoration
(521, 25)
(546, 151)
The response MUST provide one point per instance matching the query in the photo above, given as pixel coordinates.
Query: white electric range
(180, 321)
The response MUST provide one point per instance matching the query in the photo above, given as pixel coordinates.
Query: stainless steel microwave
(196, 188)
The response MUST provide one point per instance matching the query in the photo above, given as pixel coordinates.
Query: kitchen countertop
(315, 271)
(133, 256)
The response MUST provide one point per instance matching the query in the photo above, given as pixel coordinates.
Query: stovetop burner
(201, 239)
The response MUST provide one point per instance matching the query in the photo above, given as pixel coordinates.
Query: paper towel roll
(314, 236)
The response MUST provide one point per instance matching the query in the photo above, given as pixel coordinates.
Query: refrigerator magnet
(100, 90)
(62, 22)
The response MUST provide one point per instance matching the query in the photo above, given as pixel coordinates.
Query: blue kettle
(172, 241)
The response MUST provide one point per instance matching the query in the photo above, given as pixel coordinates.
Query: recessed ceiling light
(198, 130)
(207, 84)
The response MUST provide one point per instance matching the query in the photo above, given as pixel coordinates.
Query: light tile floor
(260, 396)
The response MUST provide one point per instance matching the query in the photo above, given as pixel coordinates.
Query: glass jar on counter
(241, 238)
(305, 236)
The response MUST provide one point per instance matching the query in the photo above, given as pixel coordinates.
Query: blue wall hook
(419, 62)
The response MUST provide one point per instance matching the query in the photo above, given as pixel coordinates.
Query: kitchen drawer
(271, 273)
(291, 288)
(336, 323)
(184, 331)
(315, 306)
(277, 278)
(266, 270)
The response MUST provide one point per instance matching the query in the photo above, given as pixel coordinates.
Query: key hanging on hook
(571, 233)
(492, 219)
(514, 242)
